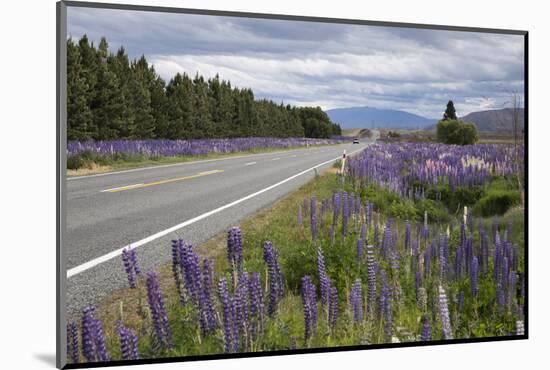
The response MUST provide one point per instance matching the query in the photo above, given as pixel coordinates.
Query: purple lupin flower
(101, 348)
(360, 249)
(88, 334)
(309, 301)
(335, 208)
(176, 269)
(418, 283)
(72, 342)
(128, 267)
(512, 288)
(275, 278)
(333, 306)
(407, 242)
(158, 312)
(93, 340)
(501, 297)
(190, 269)
(447, 331)
(474, 269)
(357, 210)
(515, 258)
(322, 215)
(426, 334)
(460, 300)
(387, 240)
(324, 280)
(345, 213)
(227, 308)
(234, 252)
(242, 305)
(427, 261)
(256, 303)
(504, 273)
(313, 218)
(459, 262)
(236, 340)
(207, 311)
(356, 301)
(128, 343)
(385, 306)
(134, 261)
(371, 287)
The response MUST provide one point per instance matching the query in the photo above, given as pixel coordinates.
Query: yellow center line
(139, 186)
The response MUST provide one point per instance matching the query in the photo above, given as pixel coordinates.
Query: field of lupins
(172, 148)
(333, 269)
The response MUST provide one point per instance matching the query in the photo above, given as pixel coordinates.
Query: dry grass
(92, 169)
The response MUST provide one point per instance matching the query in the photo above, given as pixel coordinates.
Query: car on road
(356, 141)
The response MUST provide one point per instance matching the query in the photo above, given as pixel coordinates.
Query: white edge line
(72, 178)
(250, 163)
(106, 257)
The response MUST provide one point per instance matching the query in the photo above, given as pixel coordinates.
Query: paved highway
(148, 207)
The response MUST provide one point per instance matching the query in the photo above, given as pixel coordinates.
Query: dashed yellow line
(161, 182)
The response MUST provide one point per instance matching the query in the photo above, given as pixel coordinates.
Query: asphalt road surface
(148, 207)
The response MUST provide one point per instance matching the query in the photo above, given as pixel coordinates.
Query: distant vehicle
(356, 141)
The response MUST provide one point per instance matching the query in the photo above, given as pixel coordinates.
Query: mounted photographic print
(237, 184)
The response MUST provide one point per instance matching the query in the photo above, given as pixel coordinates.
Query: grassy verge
(473, 317)
(89, 163)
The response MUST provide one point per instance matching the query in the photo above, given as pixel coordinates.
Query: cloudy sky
(330, 65)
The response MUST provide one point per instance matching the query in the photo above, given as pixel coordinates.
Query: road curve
(146, 208)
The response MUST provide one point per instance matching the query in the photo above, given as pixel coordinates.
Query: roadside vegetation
(414, 242)
(97, 156)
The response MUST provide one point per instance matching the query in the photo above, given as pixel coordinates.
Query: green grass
(297, 256)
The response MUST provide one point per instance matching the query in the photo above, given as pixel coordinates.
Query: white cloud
(331, 65)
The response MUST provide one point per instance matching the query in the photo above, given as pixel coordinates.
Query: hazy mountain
(494, 120)
(367, 117)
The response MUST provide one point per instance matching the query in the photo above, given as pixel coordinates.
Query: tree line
(110, 96)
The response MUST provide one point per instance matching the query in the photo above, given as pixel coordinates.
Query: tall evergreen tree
(180, 98)
(108, 106)
(450, 112)
(79, 115)
(144, 125)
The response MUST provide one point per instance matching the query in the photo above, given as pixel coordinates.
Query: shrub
(497, 202)
(457, 198)
(403, 209)
(75, 162)
(436, 211)
(456, 132)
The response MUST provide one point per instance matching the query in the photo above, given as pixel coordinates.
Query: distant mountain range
(495, 120)
(367, 117)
